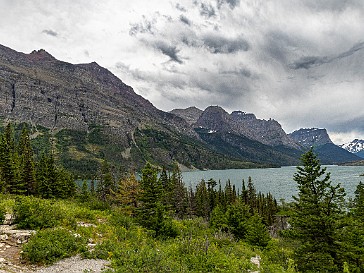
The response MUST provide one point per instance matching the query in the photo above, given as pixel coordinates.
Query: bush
(168, 229)
(2, 213)
(51, 245)
(36, 213)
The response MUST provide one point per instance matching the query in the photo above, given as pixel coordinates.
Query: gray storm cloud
(297, 61)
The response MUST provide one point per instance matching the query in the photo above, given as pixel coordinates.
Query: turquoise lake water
(278, 181)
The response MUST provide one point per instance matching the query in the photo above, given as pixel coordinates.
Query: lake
(278, 181)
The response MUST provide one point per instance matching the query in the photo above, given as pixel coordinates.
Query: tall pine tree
(317, 211)
(27, 164)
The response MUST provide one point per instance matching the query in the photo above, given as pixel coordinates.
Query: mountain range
(356, 147)
(86, 114)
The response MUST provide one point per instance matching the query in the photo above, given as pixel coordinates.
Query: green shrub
(36, 213)
(2, 213)
(168, 229)
(51, 245)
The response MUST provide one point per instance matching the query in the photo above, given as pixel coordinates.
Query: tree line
(24, 173)
(326, 234)
(161, 196)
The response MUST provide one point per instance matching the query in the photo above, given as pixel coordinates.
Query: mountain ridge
(356, 147)
(92, 115)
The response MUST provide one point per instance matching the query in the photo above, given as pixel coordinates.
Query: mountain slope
(268, 132)
(328, 152)
(90, 115)
(244, 136)
(190, 114)
(356, 147)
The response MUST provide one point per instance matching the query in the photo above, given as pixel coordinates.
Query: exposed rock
(356, 147)
(268, 132)
(39, 89)
(311, 137)
(190, 114)
(83, 224)
(328, 152)
(16, 236)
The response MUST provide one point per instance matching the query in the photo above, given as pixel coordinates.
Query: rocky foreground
(11, 241)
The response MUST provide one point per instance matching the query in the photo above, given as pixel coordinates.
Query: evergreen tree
(85, 193)
(317, 211)
(252, 195)
(168, 188)
(8, 161)
(358, 209)
(106, 183)
(229, 196)
(151, 212)
(237, 216)
(244, 193)
(256, 232)
(179, 198)
(202, 200)
(212, 196)
(27, 164)
(352, 234)
(47, 177)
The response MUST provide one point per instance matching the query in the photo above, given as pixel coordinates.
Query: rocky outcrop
(190, 114)
(311, 137)
(268, 132)
(327, 151)
(356, 147)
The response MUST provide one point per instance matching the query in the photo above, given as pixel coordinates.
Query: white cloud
(299, 62)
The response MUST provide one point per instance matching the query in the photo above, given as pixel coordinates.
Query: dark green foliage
(21, 174)
(26, 164)
(317, 211)
(35, 213)
(256, 232)
(177, 192)
(9, 162)
(358, 209)
(352, 234)
(243, 148)
(161, 146)
(51, 245)
(106, 184)
(53, 182)
(2, 213)
(202, 204)
(152, 213)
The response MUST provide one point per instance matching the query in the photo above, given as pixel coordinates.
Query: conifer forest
(153, 222)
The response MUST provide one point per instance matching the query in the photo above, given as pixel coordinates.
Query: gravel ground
(69, 265)
(75, 265)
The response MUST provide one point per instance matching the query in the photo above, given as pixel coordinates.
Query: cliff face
(311, 137)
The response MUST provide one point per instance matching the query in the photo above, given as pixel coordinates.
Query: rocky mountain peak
(268, 132)
(240, 115)
(190, 114)
(355, 146)
(215, 118)
(41, 55)
(308, 137)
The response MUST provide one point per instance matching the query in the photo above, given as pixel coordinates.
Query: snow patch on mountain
(355, 146)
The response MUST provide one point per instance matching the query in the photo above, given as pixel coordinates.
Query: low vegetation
(157, 224)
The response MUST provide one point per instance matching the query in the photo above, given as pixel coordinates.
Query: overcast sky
(300, 62)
